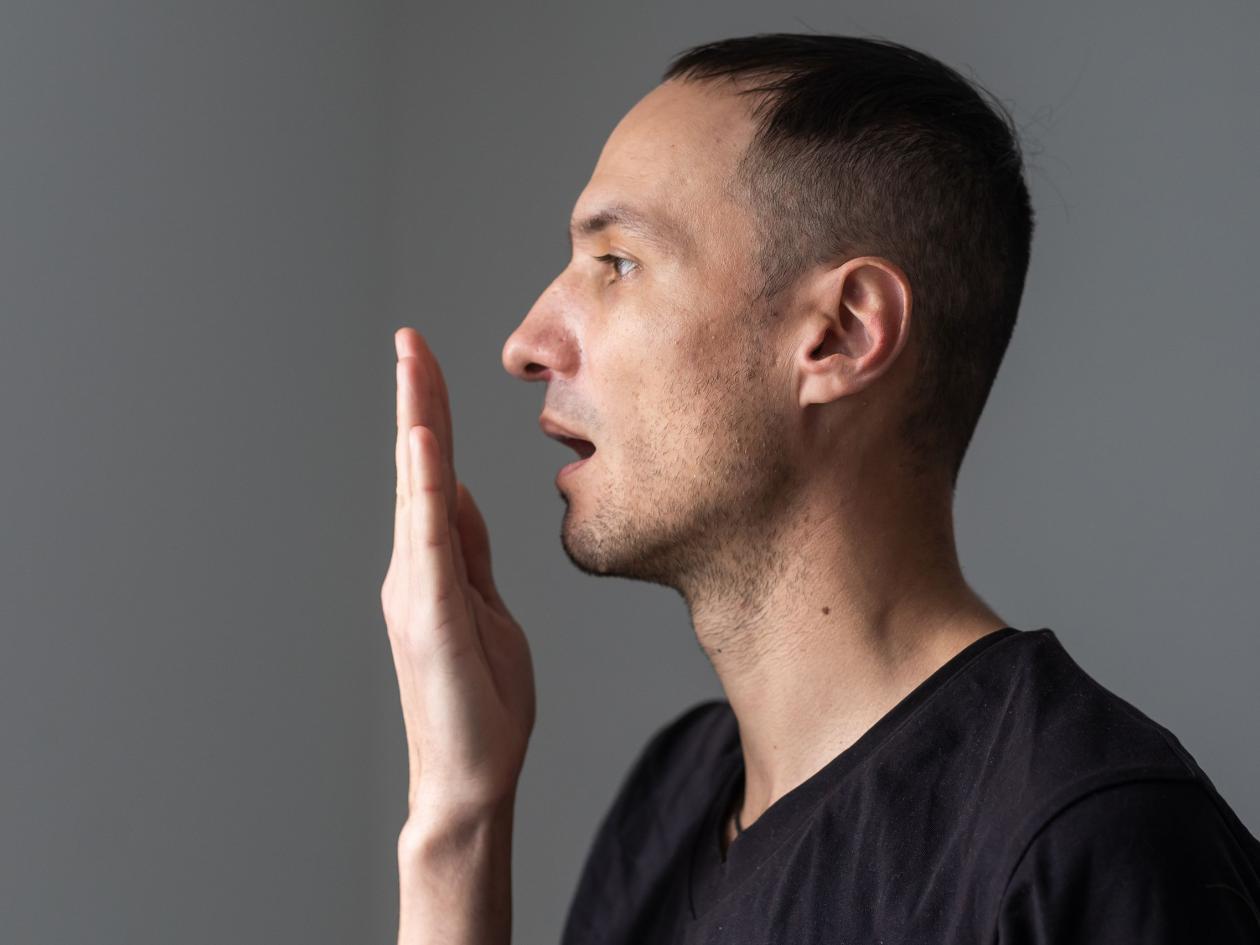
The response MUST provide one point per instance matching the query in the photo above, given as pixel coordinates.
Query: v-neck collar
(712, 877)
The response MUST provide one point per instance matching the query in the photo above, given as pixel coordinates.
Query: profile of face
(661, 355)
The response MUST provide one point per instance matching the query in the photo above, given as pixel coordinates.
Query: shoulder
(1149, 860)
(1053, 733)
(684, 749)
(1072, 719)
(660, 797)
(703, 727)
(1052, 752)
(676, 768)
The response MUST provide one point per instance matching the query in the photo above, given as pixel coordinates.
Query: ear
(858, 322)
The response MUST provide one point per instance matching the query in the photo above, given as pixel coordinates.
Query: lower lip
(566, 470)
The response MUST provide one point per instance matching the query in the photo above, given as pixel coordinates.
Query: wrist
(434, 800)
(455, 876)
(437, 831)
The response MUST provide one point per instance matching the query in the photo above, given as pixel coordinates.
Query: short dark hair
(867, 147)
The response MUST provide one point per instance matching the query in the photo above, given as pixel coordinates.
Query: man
(795, 270)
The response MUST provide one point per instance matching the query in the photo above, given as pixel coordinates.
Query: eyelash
(610, 260)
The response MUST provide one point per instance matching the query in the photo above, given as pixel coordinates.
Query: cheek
(667, 372)
(646, 348)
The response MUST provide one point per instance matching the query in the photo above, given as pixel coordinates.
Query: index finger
(422, 399)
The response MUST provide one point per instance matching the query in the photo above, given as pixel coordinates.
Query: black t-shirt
(1010, 798)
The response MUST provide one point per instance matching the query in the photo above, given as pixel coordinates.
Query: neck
(843, 612)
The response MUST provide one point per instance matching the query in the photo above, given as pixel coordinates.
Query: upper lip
(558, 432)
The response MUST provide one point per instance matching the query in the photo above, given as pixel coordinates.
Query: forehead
(671, 157)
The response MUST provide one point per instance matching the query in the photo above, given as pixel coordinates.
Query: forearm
(455, 879)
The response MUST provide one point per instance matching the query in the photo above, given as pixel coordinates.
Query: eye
(611, 260)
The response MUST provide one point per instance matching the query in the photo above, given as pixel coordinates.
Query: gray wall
(194, 403)
(215, 215)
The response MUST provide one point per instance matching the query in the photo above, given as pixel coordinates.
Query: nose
(541, 344)
(521, 360)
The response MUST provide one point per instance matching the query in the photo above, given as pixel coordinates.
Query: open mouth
(585, 448)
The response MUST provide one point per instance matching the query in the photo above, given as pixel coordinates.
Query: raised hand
(465, 675)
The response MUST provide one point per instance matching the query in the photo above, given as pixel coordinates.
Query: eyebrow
(665, 233)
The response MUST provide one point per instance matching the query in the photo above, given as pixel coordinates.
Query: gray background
(214, 217)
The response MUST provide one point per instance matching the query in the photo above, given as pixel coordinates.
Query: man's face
(660, 358)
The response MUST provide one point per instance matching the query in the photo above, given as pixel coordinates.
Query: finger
(476, 546)
(437, 408)
(402, 464)
(433, 576)
(419, 409)
(410, 343)
(430, 407)
(411, 412)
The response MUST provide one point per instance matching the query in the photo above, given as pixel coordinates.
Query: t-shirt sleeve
(1148, 862)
